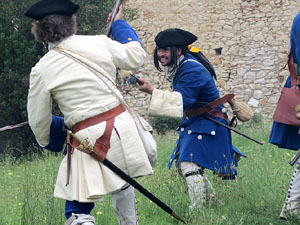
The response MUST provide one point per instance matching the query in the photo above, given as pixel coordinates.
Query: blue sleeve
(295, 39)
(123, 33)
(57, 135)
(195, 84)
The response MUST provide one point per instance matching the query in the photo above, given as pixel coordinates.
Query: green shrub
(20, 52)
(162, 125)
(256, 121)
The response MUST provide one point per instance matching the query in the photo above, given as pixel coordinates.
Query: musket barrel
(115, 11)
(231, 128)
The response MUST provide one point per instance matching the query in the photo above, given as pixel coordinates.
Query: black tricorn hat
(48, 7)
(174, 37)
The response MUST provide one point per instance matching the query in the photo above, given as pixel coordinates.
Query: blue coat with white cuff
(200, 140)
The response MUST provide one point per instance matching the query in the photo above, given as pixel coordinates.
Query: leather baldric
(210, 108)
(102, 144)
(295, 80)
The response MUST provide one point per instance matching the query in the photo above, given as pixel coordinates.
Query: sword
(10, 127)
(87, 146)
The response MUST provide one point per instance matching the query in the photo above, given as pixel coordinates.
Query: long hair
(53, 28)
(205, 62)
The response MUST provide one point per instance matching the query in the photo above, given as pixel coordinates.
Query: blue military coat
(201, 141)
(282, 135)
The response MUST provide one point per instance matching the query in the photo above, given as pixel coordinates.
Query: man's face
(164, 56)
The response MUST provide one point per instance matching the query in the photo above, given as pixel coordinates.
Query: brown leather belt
(102, 143)
(210, 108)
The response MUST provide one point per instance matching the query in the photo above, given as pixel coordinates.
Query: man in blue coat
(201, 143)
(288, 136)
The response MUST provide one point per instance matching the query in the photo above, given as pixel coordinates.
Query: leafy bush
(19, 52)
(162, 125)
(256, 121)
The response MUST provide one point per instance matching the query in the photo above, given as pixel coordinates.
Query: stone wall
(246, 40)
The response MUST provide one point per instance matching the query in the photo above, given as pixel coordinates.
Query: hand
(146, 87)
(119, 15)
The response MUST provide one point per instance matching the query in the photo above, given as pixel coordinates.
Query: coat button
(182, 129)
(199, 137)
(189, 132)
(213, 132)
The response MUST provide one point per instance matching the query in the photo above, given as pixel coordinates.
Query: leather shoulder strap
(292, 70)
(210, 106)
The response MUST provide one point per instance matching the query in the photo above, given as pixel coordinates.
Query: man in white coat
(63, 75)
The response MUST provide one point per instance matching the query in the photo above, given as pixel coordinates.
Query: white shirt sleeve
(166, 104)
(129, 56)
(39, 106)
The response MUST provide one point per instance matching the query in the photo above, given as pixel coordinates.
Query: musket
(9, 127)
(128, 179)
(231, 128)
(295, 158)
(114, 12)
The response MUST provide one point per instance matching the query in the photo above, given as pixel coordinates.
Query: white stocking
(125, 206)
(199, 187)
(292, 201)
(80, 219)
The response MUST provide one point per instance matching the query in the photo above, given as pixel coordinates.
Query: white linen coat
(80, 94)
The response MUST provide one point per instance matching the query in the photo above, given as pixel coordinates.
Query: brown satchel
(289, 99)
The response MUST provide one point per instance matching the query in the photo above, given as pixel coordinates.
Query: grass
(255, 197)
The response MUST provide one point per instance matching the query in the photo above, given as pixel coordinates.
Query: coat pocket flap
(202, 127)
